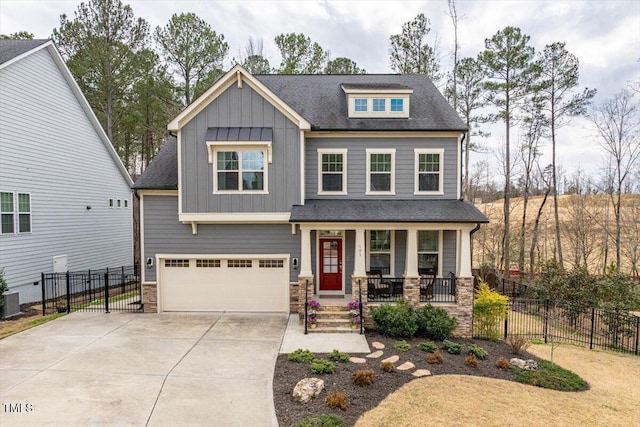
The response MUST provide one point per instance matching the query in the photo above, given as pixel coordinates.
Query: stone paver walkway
(406, 366)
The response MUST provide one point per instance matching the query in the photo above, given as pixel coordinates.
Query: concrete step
(332, 314)
(340, 329)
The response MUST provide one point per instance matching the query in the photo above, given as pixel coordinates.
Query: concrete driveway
(142, 370)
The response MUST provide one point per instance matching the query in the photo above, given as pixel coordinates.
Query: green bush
(301, 356)
(435, 323)
(402, 346)
(552, 377)
(429, 346)
(322, 421)
(489, 311)
(452, 347)
(321, 366)
(338, 356)
(3, 287)
(477, 351)
(398, 320)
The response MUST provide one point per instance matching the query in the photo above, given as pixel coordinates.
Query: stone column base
(306, 281)
(464, 307)
(412, 290)
(150, 297)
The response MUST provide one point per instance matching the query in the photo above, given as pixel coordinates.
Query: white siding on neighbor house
(49, 148)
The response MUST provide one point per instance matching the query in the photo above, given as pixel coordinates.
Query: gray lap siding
(164, 234)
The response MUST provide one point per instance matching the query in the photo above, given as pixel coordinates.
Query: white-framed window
(332, 171)
(126, 203)
(7, 214)
(240, 170)
(428, 250)
(381, 244)
(397, 105)
(110, 203)
(429, 171)
(24, 213)
(119, 203)
(361, 105)
(379, 104)
(381, 171)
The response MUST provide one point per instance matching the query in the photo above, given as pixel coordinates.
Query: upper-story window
(381, 171)
(360, 104)
(12, 208)
(397, 105)
(332, 171)
(379, 104)
(240, 171)
(7, 212)
(428, 171)
(378, 101)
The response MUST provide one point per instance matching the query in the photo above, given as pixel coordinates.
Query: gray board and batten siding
(51, 150)
(404, 165)
(240, 107)
(165, 234)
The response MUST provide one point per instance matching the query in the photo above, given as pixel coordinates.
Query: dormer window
(377, 101)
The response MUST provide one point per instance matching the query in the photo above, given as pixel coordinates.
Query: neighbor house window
(397, 105)
(110, 203)
(379, 104)
(380, 244)
(360, 105)
(381, 171)
(332, 169)
(240, 170)
(24, 213)
(429, 171)
(428, 244)
(7, 213)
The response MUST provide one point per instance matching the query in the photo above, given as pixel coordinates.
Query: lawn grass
(12, 329)
(553, 377)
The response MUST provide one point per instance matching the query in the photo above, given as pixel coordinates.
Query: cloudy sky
(605, 35)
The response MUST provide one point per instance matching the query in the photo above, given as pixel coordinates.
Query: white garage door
(231, 284)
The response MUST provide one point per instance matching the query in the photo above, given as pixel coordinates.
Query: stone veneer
(463, 309)
(412, 290)
(150, 297)
(301, 294)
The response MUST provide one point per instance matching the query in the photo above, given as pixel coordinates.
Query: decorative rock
(377, 345)
(374, 355)
(421, 373)
(357, 360)
(527, 365)
(392, 359)
(307, 388)
(406, 366)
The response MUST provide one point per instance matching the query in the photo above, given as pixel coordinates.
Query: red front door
(330, 264)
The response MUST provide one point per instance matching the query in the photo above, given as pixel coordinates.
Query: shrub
(435, 323)
(429, 346)
(387, 366)
(435, 358)
(402, 346)
(452, 347)
(363, 377)
(338, 356)
(322, 421)
(552, 377)
(3, 287)
(519, 343)
(477, 351)
(503, 363)
(321, 366)
(471, 360)
(397, 320)
(337, 399)
(489, 311)
(301, 356)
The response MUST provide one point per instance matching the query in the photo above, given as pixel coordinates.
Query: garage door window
(239, 263)
(271, 263)
(208, 263)
(176, 263)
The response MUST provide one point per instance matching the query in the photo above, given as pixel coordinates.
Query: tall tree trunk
(534, 234)
(555, 187)
(467, 147)
(507, 191)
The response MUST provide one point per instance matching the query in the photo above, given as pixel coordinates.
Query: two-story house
(277, 182)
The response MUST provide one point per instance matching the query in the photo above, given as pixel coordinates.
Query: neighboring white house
(64, 193)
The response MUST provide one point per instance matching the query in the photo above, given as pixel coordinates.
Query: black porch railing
(442, 289)
(110, 289)
(432, 289)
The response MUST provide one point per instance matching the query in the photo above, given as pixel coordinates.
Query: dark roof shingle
(162, 172)
(9, 49)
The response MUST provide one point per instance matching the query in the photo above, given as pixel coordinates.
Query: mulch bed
(363, 399)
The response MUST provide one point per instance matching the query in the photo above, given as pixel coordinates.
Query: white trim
(212, 146)
(264, 148)
(235, 218)
(375, 92)
(387, 225)
(392, 254)
(302, 168)
(12, 213)
(370, 96)
(383, 134)
(237, 73)
(459, 175)
(342, 151)
(179, 152)
(416, 155)
(17, 210)
(158, 192)
(342, 237)
(391, 151)
(143, 259)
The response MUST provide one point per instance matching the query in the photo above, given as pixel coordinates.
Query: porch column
(464, 269)
(359, 261)
(305, 252)
(411, 265)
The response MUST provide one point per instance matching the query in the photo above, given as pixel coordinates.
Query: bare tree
(453, 14)
(544, 177)
(617, 120)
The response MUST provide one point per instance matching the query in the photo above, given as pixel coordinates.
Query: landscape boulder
(527, 365)
(307, 388)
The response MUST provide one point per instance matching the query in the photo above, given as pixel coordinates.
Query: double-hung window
(12, 208)
(428, 171)
(24, 213)
(7, 213)
(381, 171)
(332, 171)
(380, 250)
(240, 170)
(428, 250)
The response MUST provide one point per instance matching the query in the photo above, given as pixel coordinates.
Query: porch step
(331, 330)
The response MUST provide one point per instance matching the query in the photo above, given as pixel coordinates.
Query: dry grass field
(612, 400)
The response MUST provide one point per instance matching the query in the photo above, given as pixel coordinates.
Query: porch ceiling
(421, 210)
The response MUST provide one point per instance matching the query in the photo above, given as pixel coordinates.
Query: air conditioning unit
(11, 305)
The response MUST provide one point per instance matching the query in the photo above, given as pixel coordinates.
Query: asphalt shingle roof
(9, 49)
(162, 172)
(421, 210)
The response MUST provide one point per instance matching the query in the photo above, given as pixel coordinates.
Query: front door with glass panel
(330, 264)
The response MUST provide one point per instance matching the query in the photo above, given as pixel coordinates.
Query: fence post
(122, 287)
(593, 327)
(106, 291)
(44, 296)
(546, 319)
(637, 333)
(68, 293)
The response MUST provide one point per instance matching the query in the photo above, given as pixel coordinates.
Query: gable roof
(12, 51)
(162, 172)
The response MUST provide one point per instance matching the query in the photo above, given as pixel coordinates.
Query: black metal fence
(593, 328)
(110, 289)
